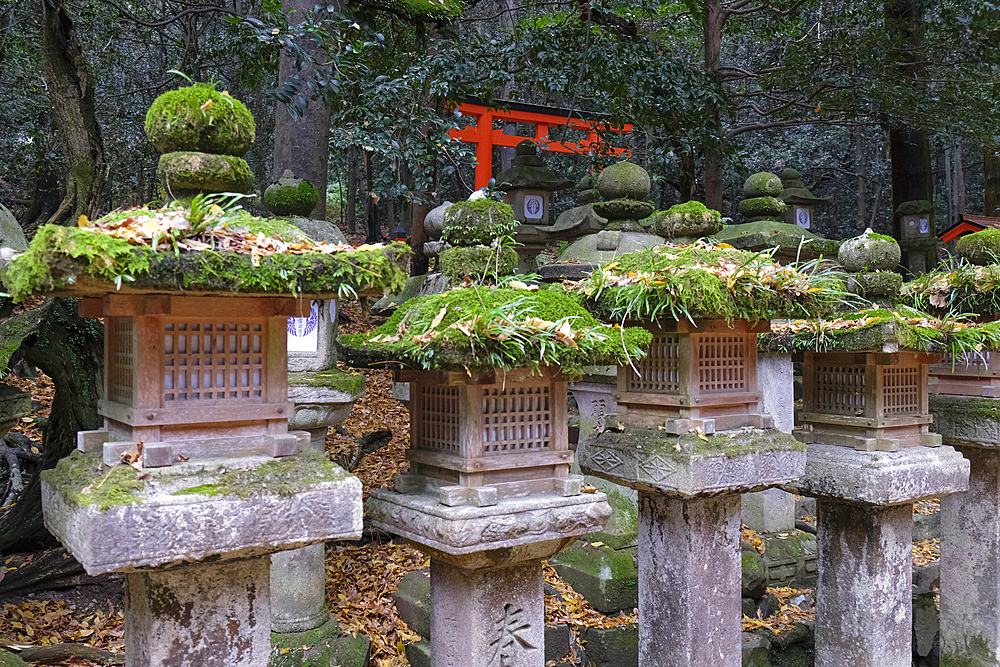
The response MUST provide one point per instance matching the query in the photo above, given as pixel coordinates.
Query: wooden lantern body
(867, 400)
(967, 375)
(694, 376)
(194, 378)
(474, 440)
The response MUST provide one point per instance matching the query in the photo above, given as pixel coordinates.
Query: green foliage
(200, 118)
(485, 329)
(699, 281)
(477, 222)
(956, 288)
(479, 262)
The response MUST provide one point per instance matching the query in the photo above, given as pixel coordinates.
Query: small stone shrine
(917, 236)
(764, 230)
(195, 478)
(489, 493)
(689, 434)
(869, 458)
(625, 188)
(800, 203)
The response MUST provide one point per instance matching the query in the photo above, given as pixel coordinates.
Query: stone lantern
(800, 202)
(489, 493)
(196, 404)
(870, 457)
(690, 437)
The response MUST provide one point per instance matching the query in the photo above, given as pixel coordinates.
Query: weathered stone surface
(631, 461)
(612, 647)
(11, 234)
(291, 196)
(487, 618)
(966, 420)
(325, 646)
(586, 249)
(558, 639)
(882, 478)
(413, 601)
(419, 654)
(513, 530)
(624, 180)
(434, 220)
(970, 562)
(769, 511)
(622, 209)
(608, 578)
(434, 283)
(689, 581)
(298, 583)
(925, 624)
(762, 184)
(321, 400)
(805, 507)
(206, 614)
(753, 581)
(205, 172)
(869, 252)
(319, 230)
(165, 529)
(863, 606)
(790, 559)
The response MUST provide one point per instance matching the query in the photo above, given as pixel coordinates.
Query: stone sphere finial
(624, 180)
(291, 196)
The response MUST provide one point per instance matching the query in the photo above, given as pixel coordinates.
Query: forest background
(874, 102)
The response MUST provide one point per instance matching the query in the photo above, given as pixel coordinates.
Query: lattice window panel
(840, 388)
(516, 419)
(438, 427)
(968, 361)
(121, 352)
(214, 361)
(721, 363)
(659, 370)
(900, 390)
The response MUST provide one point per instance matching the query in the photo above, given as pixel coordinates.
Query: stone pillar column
(863, 604)
(486, 618)
(689, 581)
(864, 533)
(210, 615)
(298, 585)
(970, 533)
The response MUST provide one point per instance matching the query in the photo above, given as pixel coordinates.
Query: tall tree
(71, 87)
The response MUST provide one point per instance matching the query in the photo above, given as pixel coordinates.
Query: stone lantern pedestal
(197, 387)
(689, 437)
(488, 496)
(970, 532)
(866, 416)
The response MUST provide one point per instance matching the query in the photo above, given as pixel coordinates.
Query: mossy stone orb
(203, 172)
(291, 196)
(200, 118)
(763, 184)
(688, 219)
(477, 262)
(623, 209)
(477, 222)
(761, 208)
(588, 182)
(876, 284)
(980, 248)
(624, 180)
(869, 252)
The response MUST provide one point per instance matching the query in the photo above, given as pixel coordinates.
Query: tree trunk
(861, 181)
(715, 17)
(351, 200)
(71, 89)
(70, 350)
(957, 183)
(302, 144)
(991, 181)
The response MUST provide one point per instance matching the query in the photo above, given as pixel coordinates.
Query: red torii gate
(485, 137)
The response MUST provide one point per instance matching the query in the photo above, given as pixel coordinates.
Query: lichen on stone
(83, 480)
(281, 477)
(331, 378)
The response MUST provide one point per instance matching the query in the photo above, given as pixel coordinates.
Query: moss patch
(479, 262)
(282, 477)
(110, 486)
(869, 252)
(762, 184)
(684, 448)
(200, 118)
(58, 256)
(337, 380)
(204, 172)
(981, 248)
(484, 329)
(291, 197)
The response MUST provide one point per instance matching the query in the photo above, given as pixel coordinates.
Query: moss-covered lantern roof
(896, 330)
(199, 250)
(959, 288)
(703, 281)
(481, 329)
